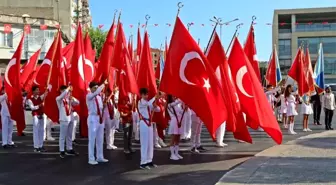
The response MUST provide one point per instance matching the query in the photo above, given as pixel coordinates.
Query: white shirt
(107, 113)
(4, 107)
(177, 106)
(30, 103)
(328, 101)
(91, 102)
(61, 107)
(142, 106)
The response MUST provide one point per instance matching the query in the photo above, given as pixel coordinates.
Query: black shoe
(318, 123)
(151, 165)
(327, 128)
(201, 149)
(62, 155)
(37, 150)
(127, 151)
(75, 142)
(194, 150)
(5, 146)
(12, 146)
(72, 153)
(22, 134)
(144, 167)
(42, 149)
(331, 128)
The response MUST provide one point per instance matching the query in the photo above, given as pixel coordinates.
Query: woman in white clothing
(291, 107)
(175, 125)
(283, 108)
(306, 110)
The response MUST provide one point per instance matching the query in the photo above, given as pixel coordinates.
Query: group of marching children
(145, 119)
(286, 102)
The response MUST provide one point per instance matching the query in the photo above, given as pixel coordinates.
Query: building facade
(51, 13)
(308, 27)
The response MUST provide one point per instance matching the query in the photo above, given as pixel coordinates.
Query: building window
(305, 27)
(329, 44)
(285, 65)
(330, 65)
(285, 47)
(6, 39)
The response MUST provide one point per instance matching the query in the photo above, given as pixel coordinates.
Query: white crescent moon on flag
(89, 63)
(218, 75)
(239, 80)
(81, 67)
(9, 66)
(230, 76)
(46, 62)
(187, 57)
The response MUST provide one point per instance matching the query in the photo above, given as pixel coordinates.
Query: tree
(98, 37)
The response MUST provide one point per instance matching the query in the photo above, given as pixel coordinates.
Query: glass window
(285, 65)
(6, 39)
(305, 27)
(329, 65)
(329, 44)
(285, 47)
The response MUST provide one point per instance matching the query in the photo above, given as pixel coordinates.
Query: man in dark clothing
(316, 101)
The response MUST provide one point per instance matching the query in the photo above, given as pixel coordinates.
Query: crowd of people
(287, 103)
(146, 119)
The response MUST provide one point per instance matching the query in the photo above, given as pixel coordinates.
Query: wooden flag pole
(52, 58)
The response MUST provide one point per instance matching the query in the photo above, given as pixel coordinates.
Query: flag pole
(52, 58)
(216, 21)
(234, 35)
(179, 5)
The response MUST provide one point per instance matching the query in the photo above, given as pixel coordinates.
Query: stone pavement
(308, 160)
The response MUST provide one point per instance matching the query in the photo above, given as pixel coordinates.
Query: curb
(251, 166)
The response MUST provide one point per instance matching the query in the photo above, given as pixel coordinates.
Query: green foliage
(98, 37)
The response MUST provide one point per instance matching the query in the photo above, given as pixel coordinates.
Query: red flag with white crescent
(29, 67)
(90, 55)
(13, 89)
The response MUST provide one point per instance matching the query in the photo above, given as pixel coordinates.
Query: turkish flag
(13, 89)
(251, 52)
(130, 48)
(189, 76)
(77, 80)
(90, 55)
(27, 29)
(271, 70)
(55, 82)
(7, 28)
(297, 72)
(127, 83)
(158, 69)
(43, 73)
(309, 71)
(235, 121)
(30, 80)
(146, 76)
(251, 95)
(67, 53)
(29, 67)
(136, 62)
(43, 27)
(105, 58)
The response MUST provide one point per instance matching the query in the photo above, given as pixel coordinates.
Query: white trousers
(110, 127)
(47, 128)
(65, 136)
(96, 138)
(155, 135)
(146, 143)
(7, 130)
(38, 131)
(220, 133)
(74, 122)
(187, 125)
(136, 129)
(196, 129)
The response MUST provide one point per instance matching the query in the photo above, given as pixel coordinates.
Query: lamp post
(24, 18)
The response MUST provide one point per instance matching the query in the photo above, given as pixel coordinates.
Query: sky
(199, 12)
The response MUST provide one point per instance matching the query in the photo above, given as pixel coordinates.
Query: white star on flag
(206, 84)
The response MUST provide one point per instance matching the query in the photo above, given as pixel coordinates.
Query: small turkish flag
(7, 28)
(27, 29)
(43, 27)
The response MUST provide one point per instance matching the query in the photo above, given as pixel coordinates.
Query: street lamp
(24, 17)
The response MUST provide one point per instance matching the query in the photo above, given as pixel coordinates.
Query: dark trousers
(328, 117)
(317, 112)
(128, 130)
